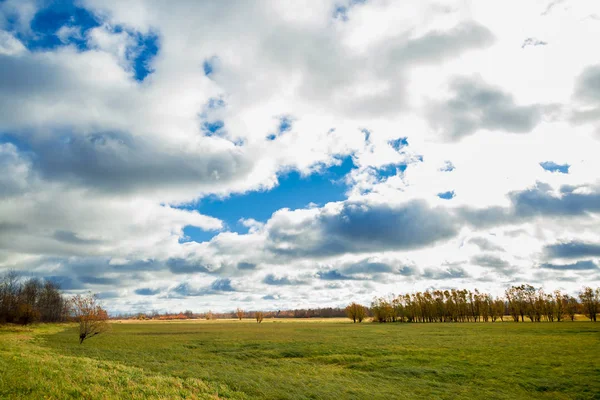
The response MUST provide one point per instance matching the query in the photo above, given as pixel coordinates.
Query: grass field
(304, 360)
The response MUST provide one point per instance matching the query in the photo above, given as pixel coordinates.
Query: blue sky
(292, 191)
(279, 155)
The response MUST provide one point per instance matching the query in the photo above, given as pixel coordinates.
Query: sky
(281, 154)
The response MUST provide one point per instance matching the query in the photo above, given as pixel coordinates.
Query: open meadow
(299, 359)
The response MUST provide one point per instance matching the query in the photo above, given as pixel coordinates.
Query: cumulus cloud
(476, 105)
(573, 249)
(577, 266)
(355, 228)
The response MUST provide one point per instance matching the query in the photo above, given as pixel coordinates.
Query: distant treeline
(520, 302)
(23, 302)
(326, 312)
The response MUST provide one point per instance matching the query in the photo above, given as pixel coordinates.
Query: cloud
(218, 286)
(333, 275)
(577, 266)
(273, 280)
(184, 266)
(72, 238)
(222, 285)
(246, 266)
(587, 86)
(542, 201)
(475, 105)
(98, 280)
(490, 262)
(485, 244)
(356, 228)
(147, 291)
(587, 96)
(436, 45)
(443, 274)
(572, 249)
(368, 267)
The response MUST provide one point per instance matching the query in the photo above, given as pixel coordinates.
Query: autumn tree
(560, 305)
(29, 301)
(92, 318)
(572, 307)
(259, 316)
(239, 313)
(590, 302)
(356, 312)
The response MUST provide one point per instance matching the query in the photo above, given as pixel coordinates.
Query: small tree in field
(91, 317)
(356, 312)
(239, 313)
(259, 316)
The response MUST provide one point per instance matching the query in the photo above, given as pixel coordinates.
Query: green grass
(305, 360)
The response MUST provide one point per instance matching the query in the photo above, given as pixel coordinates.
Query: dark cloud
(450, 273)
(98, 280)
(216, 287)
(245, 266)
(587, 86)
(485, 217)
(183, 266)
(65, 282)
(365, 228)
(273, 280)
(72, 238)
(572, 250)
(222, 285)
(587, 96)
(485, 244)
(490, 262)
(475, 105)
(577, 266)
(333, 275)
(541, 201)
(118, 162)
(8, 227)
(437, 45)
(367, 267)
(538, 201)
(105, 160)
(147, 291)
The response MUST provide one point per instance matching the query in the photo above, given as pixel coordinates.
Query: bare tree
(91, 316)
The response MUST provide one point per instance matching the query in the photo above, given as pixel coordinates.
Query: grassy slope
(29, 370)
(297, 360)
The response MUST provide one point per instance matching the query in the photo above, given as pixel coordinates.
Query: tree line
(519, 302)
(325, 312)
(32, 300)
